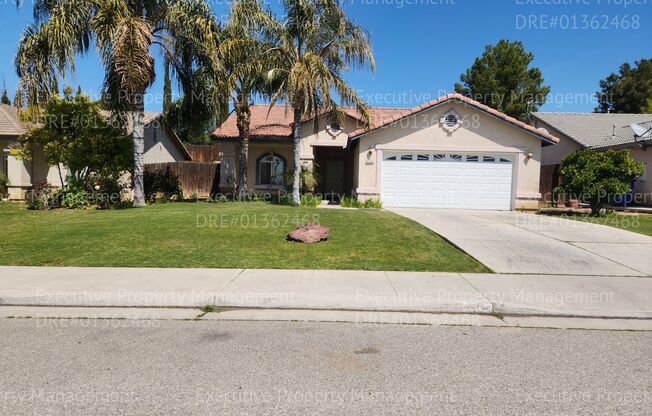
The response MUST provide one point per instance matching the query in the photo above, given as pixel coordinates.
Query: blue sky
(422, 46)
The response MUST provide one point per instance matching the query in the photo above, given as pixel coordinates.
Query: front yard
(222, 235)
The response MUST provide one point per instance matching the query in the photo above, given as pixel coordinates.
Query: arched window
(270, 169)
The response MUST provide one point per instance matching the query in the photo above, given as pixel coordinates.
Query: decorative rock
(312, 233)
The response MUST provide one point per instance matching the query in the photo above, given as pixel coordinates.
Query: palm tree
(313, 45)
(244, 63)
(124, 33)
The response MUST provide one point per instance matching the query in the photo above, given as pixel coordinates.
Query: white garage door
(447, 180)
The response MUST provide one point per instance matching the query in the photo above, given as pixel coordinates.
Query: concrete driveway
(514, 242)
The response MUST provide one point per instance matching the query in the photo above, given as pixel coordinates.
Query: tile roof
(596, 130)
(274, 123)
(278, 123)
(392, 118)
(10, 124)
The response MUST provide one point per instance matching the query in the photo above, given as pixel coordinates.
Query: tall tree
(628, 91)
(125, 32)
(242, 54)
(502, 79)
(313, 45)
(5, 97)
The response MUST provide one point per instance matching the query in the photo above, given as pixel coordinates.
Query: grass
(223, 235)
(638, 223)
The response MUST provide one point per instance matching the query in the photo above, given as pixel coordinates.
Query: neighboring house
(452, 152)
(161, 142)
(596, 131)
(161, 145)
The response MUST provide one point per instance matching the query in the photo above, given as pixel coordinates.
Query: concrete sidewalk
(522, 295)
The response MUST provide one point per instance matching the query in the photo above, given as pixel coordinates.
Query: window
(270, 170)
(438, 158)
(389, 158)
(503, 160)
(406, 157)
(473, 158)
(488, 159)
(423, 158)
(154, 134)
(456, 158)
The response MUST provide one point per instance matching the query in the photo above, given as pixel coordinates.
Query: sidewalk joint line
(232, 280)
(390, 283)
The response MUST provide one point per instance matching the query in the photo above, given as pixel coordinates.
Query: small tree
(73, 133)
(596, 177)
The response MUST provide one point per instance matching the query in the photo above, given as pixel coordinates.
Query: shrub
(162, 184)
(4, 190)
(43, 196)
(307, 179)
(107, 192)
(74, 195)
(372, 204)
(310, 200)
(597, 177)
(349, 202)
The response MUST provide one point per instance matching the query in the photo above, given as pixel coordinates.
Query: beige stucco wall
(42, 171)
(310, 139)
(644, 186)
(19, 172)
(553, 155)
(480, 133)
(231, 156)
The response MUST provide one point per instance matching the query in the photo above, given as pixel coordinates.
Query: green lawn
(638, 223)
(222, 235)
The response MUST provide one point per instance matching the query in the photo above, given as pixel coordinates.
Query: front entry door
(334, 181)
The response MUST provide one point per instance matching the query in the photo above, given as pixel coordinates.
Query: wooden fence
(204, 153)
(201, 179)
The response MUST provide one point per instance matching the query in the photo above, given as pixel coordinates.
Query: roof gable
(10, 124)
(397, 116)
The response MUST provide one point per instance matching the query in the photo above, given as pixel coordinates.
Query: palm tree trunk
(137, 119)
(296, 177)
(243, 114)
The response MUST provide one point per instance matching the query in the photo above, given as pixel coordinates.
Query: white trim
(461, 149)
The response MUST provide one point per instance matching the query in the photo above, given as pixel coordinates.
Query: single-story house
(452, 152)
(161, 145)
(596, 131)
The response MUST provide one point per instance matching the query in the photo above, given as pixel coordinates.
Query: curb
(482, 308)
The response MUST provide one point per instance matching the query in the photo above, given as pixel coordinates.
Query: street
(166, 367)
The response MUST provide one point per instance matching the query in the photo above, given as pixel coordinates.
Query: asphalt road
(98, 367)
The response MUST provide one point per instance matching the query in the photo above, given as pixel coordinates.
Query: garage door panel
(483, 184)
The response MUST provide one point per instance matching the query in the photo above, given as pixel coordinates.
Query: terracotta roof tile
(265, 123)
